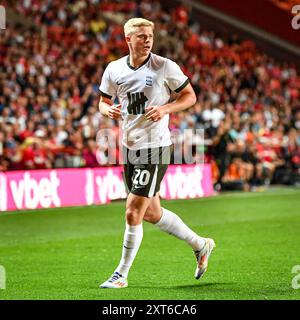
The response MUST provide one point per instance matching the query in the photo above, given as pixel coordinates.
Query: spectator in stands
(90, 154)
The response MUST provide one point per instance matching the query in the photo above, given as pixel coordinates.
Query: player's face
(141, 42)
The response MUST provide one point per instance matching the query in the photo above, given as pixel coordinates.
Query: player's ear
(127, 39)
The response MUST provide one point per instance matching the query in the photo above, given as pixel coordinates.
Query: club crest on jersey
(149, 81)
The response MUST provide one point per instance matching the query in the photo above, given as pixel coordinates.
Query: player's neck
(137, 61)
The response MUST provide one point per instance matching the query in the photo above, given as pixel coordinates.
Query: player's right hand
(114, 112)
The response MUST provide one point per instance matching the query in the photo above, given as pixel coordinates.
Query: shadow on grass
(202, 285)
(185, 287)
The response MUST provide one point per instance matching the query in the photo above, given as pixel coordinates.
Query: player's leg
(135, 209)
(171, 223)
(138, 180)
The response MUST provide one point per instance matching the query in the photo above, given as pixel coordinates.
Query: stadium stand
(262, 14)
(248, 102)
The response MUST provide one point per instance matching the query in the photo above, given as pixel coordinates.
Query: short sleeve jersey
(149, 85)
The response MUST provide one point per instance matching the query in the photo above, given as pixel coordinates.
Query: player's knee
(133, 215)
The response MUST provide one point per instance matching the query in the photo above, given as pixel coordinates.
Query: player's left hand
(155, 113)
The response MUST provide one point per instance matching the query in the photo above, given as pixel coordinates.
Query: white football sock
(132, 240)
(172, 224)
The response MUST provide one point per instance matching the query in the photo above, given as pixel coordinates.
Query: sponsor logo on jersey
(120, 82)
(136, 102)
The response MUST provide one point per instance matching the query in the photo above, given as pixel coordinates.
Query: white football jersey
(136, 89)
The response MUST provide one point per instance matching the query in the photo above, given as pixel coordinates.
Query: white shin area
(132, 240)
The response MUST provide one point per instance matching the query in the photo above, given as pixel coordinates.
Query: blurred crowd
(248, 103)
(286, 5)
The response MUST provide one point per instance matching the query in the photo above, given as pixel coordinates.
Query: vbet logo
(2, 17)
(296, 18)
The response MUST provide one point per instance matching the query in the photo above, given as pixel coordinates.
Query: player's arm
(108, 109)
(186, 99)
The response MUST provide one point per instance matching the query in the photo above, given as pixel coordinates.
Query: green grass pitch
(66, 253)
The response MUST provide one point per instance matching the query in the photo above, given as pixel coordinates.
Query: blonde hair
(131, 25)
